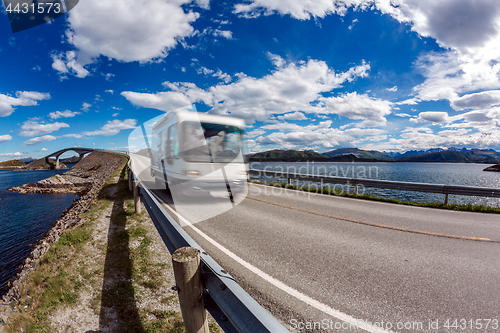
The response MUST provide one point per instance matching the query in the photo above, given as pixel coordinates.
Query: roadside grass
(338, 192)
(66, 270)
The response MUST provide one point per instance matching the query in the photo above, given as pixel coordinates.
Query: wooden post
(289, 181)
(446, 199)
(186, 264)
(130, 180)
(137, 198)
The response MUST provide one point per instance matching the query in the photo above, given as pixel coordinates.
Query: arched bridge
(57, 154)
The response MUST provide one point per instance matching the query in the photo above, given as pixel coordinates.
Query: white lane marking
(289, 290)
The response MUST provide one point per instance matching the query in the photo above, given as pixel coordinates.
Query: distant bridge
(80, 151)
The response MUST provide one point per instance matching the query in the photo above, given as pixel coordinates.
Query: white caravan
(194, 153)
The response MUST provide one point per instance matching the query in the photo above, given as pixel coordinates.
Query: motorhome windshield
(213, 143)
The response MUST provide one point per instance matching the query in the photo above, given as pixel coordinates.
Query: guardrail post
(446, 199)
(289, 181)
(186, 264)
(356, 190)
(137, 198)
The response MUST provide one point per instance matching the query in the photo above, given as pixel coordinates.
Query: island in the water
(494, 168)
(12, 164)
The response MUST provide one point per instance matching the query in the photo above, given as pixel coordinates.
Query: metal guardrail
(231, 306)
(403, 186)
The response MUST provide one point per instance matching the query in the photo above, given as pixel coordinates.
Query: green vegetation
(360, 153)
(12, 163)
(115, 275)
(338, 192)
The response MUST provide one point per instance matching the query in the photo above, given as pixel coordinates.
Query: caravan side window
(160, 141)
(173, 142)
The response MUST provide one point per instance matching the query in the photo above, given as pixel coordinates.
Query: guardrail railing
(387, 184)
(231, 306)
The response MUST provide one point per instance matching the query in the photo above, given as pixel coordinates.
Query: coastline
(110, 272)
(70, 217)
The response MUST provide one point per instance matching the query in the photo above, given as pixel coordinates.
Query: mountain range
(451, 155)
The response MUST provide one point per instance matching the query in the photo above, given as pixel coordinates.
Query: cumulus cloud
(393, 89)
(293, 116)
(467, 29)
(481, 100)
(431, 116)
(320, 137)
(33, 128)
(223, 33)
(23, 98)
(302, 10)
(254, 133)
(113, 127)
(67, 63)
(63, 114)
(354, 106)
(39, 140)
(5, 138)
(116, 29)
(291, 87)
(86, 106)
(423, 138)
(16, 154)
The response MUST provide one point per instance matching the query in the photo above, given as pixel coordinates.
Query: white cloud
(204, 70)
(291, 87)
(86, 106)
(115, 114)
(110, 91)
(113, 127)
(432, 116)
(39, 140)
(23, 98)
(5, 138)
(223, 76)
(423, 138)
(223, 33)
(67, 63)
(125, 30)
(293, 116)
(354, 106)
(320, 137)
(63, 114)
(16, 154)
(468, 29)
(32, 128)
(254, 133)
(44, 149)
(393, 89)
(302, 10)
(481, 100)
(352, 24)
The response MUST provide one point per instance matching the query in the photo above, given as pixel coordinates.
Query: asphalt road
(341, 258)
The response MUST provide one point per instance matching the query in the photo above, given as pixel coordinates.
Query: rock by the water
(494, 168)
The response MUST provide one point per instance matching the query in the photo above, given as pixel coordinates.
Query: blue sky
(386, 75)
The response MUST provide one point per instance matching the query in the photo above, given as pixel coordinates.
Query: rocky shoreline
(494, 168)
(86, 179)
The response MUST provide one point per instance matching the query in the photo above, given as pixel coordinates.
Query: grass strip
(338, 192)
